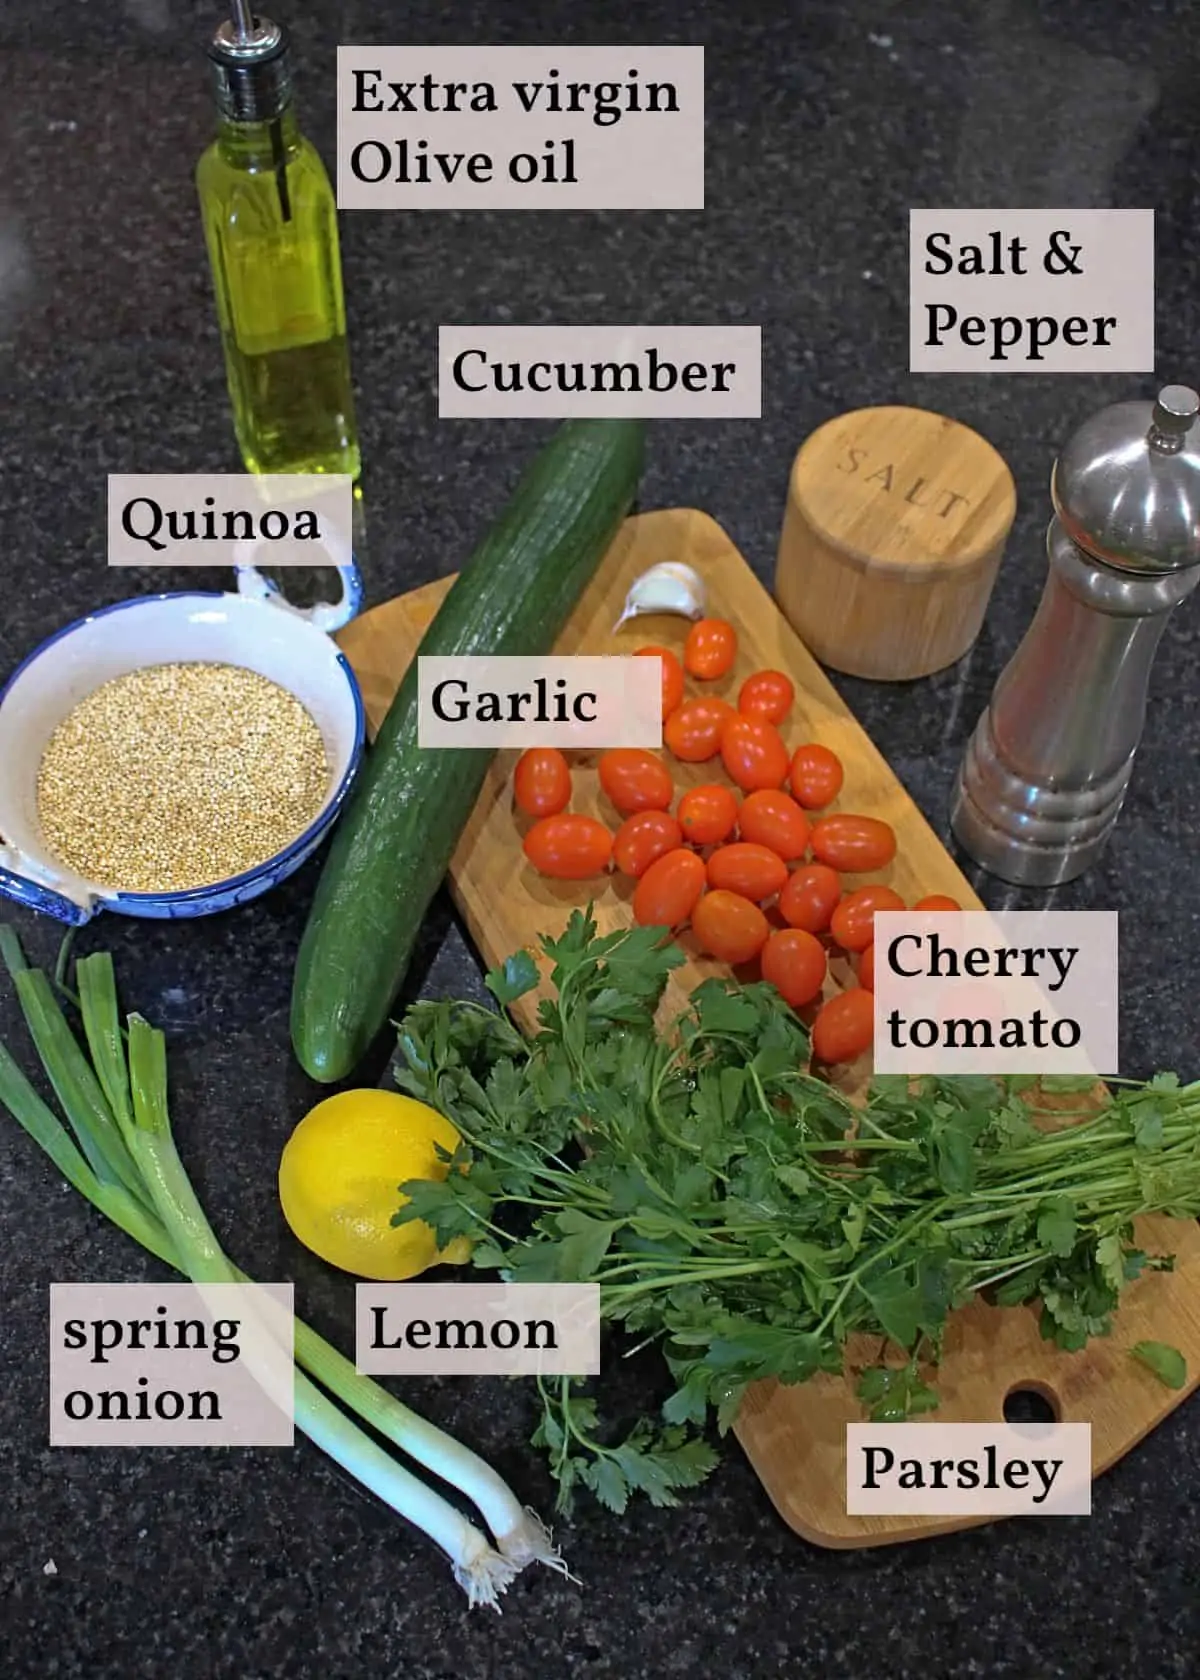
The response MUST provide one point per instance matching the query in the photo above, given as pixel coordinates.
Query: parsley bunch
(708, 1181)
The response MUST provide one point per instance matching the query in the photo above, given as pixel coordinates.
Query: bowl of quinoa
(173, 755)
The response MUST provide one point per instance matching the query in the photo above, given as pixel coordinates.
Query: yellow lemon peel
(339, 1178)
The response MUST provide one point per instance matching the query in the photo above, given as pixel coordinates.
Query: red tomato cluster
(755, 879)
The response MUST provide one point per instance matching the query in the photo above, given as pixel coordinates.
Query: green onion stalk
(122, 1157)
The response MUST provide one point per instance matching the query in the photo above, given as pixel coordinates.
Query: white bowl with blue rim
(255, 628)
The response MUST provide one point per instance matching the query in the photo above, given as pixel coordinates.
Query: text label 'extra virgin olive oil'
(520, 128)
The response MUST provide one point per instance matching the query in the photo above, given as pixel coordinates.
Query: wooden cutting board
(796, 1437)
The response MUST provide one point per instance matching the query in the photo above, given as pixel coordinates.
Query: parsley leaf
(1111, 1261)
(1056, 1226)
(896, 1300)
(1167, 1363)
(606, 1478)
(516, 976)
(585, 1242)
(893, 1395)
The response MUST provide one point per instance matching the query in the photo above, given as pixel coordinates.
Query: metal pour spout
(243, 22)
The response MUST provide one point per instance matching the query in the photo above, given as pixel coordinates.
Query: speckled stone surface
(826, 122)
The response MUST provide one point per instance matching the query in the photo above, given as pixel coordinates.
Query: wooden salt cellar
(895, 526)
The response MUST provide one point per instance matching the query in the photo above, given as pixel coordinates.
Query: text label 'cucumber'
(543, 373)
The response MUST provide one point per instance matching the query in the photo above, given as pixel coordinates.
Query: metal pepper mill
(1045, 774)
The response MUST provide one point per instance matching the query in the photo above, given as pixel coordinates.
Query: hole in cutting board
(1031, 1403)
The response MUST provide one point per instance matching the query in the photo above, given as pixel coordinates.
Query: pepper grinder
(1045, 774)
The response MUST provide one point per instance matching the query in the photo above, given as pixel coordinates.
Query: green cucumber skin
(393, 845)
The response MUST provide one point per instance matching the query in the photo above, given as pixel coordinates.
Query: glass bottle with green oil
(270, 222)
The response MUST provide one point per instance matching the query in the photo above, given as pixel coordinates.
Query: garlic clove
(670, 587)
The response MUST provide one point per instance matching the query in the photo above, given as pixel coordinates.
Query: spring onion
(123, 1159)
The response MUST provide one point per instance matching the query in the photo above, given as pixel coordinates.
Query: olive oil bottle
(270, 223)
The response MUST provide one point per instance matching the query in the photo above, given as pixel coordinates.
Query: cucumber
(393, 845)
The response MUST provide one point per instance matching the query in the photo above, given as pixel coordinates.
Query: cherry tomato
(753, 753)
(866, 969)
(708, 814)
(666, 894)
(794, 963)
(635, 780)
(542, 782)
(853, 922)
(767, 694)
(937, 901)
(569, 847)
(672, 676)
(693, 730)
(710, 649)
(642, 838)
(816, 776)
(754, 871)
(810, 897)
(773, 819)
(855, 845)
(729, 927)
(845, 1026)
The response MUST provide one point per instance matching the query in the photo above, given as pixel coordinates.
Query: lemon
(339, 1178)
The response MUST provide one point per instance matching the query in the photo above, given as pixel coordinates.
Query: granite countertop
(826, 122)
